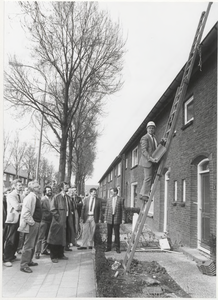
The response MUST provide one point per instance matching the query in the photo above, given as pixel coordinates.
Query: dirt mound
(145, 279)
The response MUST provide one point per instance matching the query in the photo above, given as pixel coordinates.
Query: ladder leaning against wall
(168, 135)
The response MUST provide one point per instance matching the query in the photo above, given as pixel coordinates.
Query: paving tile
(46, 295)
(30, 293)
(67, 292)
(86, 294)
(8, 294)
(68, 284)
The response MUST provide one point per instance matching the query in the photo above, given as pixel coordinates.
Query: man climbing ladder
(170, 127)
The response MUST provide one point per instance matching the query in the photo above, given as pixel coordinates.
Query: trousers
(110, 228)
(42, 245)
(29, 245)
(146, 185)
(56, 251)
(11, 240)
(88, 232)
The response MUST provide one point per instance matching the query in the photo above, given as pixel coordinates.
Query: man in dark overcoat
(61, 228)
(114, 216)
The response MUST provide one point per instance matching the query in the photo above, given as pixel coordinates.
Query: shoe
(63, 257)
(45, 252)
(54, 260)
(67, 249)
(37, 255)
(90, 247)
(7, 264)
(118, 251)
(107, 250)
(26, 270)
(32, 264)
(82, 248)
(76, 245)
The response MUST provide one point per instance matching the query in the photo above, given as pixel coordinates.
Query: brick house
(185, 203)
(10, 174)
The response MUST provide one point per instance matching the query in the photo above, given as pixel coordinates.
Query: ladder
(168, 135)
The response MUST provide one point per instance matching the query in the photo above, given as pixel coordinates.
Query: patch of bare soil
(145, 279)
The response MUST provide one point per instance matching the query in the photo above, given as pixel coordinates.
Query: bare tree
(17, 158)
(29, 162)
(7, 151)
(84, 154)
(46, 172)
(78, 54)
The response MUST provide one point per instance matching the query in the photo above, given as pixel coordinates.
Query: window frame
(184, 189)
(175, 191)
(186, 120)
(119, 169)
(135, 159)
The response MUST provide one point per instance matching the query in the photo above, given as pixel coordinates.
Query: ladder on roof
(168, 135)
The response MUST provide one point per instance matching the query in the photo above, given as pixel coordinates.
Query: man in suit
(148, 145)
(61, 230)
(90, 215)
(11, 235)
(114, 216)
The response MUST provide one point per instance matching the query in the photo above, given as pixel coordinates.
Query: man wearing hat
(148, 145)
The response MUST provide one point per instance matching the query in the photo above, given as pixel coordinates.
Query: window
(175, 190)
(135, 157)
(119, 169)
(111, 175)
(115, 171)
(11, 178)
(189, 110)
(4, 177)
(108, 177)
(126, 163)
(118, 190)
(183, 190)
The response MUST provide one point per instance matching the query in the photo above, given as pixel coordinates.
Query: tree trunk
(62, 161)
(70, 157)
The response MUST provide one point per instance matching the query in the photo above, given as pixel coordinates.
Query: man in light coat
(11, 235)
(30, 219)
(61, 229)
(90, 216)
(114, 216)
(148, 145)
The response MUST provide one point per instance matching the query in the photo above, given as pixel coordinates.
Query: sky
(159, 38)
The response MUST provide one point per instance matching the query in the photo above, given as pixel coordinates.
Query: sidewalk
(66, 279)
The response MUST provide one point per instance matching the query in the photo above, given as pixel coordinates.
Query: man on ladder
(168, 135)
(148, 145)
(148, 161)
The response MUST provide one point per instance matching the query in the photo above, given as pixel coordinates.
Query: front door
(204, 205)
(134, 194)
(166, 191)
(205, 213)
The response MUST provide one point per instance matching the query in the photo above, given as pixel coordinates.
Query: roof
(164, 101)
(11, 170)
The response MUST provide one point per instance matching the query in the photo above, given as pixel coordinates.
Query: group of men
(49, 225)
(46, 225)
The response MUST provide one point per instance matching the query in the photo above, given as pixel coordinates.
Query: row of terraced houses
(185, 202)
